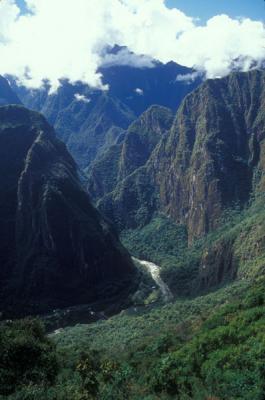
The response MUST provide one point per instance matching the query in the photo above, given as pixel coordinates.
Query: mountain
(86, 120)
(121, 159)
(7, 95)
(140, 88)
(56, 250)
(89, 120)
(196, 206)
(88, 131)
(187, 192)
(210, 160)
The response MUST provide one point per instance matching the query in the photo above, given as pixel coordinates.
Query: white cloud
(126, 57)
(222, 43)
(9, 13)
(81, 97)
(65, 39)
(188, 78)
(139, 91)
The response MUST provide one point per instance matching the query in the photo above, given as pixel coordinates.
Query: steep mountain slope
(89, 130)
(56, 249)
(213, 150)
(86, 120)
(90, 120)
(194, 191)
(7, 95)
(208, 162)
(121, 159)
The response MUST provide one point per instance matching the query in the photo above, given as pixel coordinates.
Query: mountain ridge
(85, 118)
(205, 164)
(56, 249)
(7, 95)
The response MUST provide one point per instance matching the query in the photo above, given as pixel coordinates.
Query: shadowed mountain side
(7, 95)
(56, 249)
(140, 88)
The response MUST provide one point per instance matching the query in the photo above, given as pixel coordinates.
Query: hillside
(132, 200)
(186, 193)
(210, 160)
(56, 249)
(121, 159)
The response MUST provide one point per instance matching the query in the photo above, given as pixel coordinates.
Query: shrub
(27, 356)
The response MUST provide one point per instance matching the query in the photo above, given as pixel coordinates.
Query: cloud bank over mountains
(66, 39)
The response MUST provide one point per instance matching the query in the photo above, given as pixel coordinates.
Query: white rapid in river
(155, 273)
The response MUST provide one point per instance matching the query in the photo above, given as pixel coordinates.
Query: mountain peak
(56, 250)
(7, 96)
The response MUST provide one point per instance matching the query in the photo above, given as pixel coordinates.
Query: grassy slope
(214, 345)
(165, 243)
(211, 348)
(192, 348)
(208, 347)
(129, 329)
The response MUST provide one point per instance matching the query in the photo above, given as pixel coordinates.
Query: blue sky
(204, 9)
(21, 4)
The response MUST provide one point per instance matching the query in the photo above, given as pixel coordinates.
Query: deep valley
(132, 237)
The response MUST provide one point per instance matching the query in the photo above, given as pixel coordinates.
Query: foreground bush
(27, 356)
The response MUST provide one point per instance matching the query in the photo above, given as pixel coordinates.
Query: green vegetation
(159, 241)
(200, 349)
(224, 359)
(240, 236)
(27, 357)
(166, 244)
(133, 326)
(209, 344)
(207, 347)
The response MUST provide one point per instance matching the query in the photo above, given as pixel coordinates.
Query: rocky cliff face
(212, 151)
(122, 159)
(56, 249)
(205, 164)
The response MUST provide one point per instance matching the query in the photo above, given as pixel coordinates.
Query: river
(155, 273)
